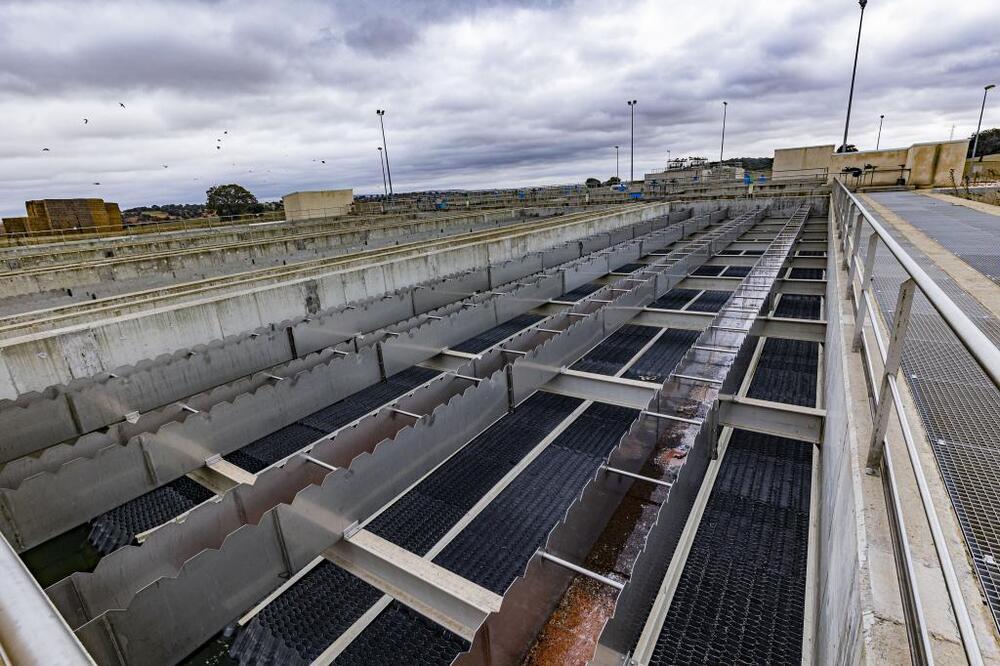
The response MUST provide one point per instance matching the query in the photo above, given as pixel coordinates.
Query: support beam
(682, 319)
(603, 388)
(810, 330)
(772, 418)
(455, 603)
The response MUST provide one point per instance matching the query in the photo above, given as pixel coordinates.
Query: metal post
(854, 72)
(878, 141)
(975, 143)
(385, 188)
(388, 170)
(722, 148)
(866, 281)
(616, 165)
(631, 157)
(900, 321)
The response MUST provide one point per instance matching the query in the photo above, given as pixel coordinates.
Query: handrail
(848, 213)
(31, 629)
(981, 348)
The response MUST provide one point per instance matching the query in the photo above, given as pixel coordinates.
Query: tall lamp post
(381, 159)
(631, 156)
(381, 122)
(854, 72)
(975, 144)
(878, 141)
(616, 165)
(722, 148)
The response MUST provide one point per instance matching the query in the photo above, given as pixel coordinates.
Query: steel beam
(603, 388)
(454, 602)
(809, 330)
(772, 418)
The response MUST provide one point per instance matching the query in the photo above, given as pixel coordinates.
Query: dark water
(61, 556)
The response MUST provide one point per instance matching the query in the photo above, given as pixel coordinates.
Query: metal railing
(851, 219)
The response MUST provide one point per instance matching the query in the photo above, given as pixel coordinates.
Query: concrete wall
(838, 620)
(928, 164)
(32, 362)
(321, 203)
(15, 225)
(984, 167)
(887, 163)
(806, 160)
(934, 164)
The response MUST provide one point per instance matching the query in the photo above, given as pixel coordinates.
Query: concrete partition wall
(838, 620)
(35, 361)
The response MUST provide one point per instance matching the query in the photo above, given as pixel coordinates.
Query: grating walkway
(959, 406)
(968, 233)
(741, 596)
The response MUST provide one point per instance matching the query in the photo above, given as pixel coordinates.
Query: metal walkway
(959, 405)
(966, 232)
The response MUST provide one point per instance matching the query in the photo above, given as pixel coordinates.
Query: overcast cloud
(478, 94)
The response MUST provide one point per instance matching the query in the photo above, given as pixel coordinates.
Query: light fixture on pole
(381, 122)
(854, 72)
(975, 144)
(631, 169)
(878, 141)
(381, 159)
(616, 165)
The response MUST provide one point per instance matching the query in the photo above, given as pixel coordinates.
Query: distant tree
(614, 180)
(989, 142)
(847, 148)
(592, 182)
(231, 199)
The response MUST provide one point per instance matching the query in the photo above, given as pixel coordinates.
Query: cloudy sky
(478, 93)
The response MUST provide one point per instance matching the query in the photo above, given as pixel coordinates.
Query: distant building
(322, 203)
(81, 215)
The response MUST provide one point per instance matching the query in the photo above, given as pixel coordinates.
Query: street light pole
(616, 165)
(381, 122)
(878, 141)
(381, 159)
(854, 72)
(722, 148)
(631, 157)
(975, 144)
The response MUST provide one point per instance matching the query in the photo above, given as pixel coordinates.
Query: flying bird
(121, 104)
(96, 183)
(164, 166)
(45, 150)
(85, 121)
(218, 147)
(323, 161)
(225, 131)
